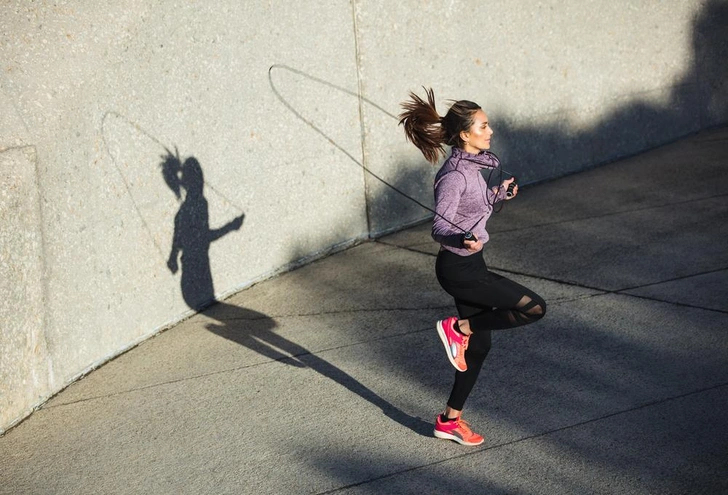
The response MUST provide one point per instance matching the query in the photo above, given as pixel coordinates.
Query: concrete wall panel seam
(359, 84)
(45, 269)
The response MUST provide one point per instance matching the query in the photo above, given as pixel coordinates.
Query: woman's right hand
(172, 264)
(473, 246)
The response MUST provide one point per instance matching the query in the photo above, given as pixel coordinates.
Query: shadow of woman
(192, 234)
(254, 330)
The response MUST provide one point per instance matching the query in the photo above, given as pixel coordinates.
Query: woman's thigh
(488, 291)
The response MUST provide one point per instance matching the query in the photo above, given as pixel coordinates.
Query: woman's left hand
(507, 183)
(473, 246)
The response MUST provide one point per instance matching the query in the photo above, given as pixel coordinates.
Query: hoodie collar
(484, 159)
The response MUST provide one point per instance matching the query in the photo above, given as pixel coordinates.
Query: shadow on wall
(251, 329)
(698, 101)
(192, 233)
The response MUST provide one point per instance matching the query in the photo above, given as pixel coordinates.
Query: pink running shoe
(458, 430)
(455, 342)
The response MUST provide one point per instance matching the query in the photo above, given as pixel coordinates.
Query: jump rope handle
(511, 186)
(469, 236)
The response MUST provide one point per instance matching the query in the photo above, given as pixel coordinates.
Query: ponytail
(424, 127)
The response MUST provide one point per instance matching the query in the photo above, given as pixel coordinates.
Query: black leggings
(489, 302)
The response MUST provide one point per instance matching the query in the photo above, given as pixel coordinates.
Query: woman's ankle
(463, 326)
(450, 414)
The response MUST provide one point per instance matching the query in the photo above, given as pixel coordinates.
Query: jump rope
(467, 233)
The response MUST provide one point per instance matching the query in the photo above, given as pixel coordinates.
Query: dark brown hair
(424, 127)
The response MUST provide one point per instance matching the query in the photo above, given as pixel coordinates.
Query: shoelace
(464, 425)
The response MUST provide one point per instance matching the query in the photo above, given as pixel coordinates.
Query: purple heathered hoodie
(463, 197)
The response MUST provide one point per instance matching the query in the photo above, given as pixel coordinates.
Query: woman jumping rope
(484, 300)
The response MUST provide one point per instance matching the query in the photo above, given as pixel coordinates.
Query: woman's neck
(470, 149)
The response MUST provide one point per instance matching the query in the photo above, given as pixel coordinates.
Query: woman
(484, 300)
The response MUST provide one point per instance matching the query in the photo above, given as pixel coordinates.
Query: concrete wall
(280, 104)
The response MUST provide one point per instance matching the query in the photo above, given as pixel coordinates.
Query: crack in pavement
(683, 277)
(332, 312)
(600, 290)
(622, 292)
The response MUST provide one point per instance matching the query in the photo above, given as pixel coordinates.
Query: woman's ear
(464, 136)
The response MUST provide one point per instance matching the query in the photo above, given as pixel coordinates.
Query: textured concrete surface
(23, 356)
(327, 379)
(280, 106)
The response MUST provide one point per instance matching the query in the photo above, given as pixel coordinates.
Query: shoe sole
(455, 438)
(443, 339)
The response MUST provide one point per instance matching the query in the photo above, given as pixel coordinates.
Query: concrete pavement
(327, 379)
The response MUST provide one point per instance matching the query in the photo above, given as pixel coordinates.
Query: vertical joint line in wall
(45, 276)
(360, 101)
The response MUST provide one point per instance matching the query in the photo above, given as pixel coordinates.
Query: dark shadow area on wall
(191, 244)
(192, 233)
(710, 47)
(697, 101)
(251, 329)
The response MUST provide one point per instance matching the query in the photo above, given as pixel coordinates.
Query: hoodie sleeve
(448, 191)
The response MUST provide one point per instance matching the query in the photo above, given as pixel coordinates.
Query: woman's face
(477, 138)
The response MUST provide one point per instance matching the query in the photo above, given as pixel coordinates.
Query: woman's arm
(176, 246)
(234, 224)
(448, 191)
